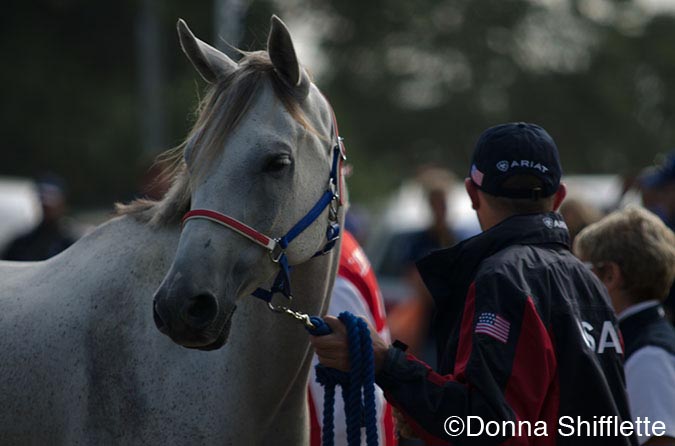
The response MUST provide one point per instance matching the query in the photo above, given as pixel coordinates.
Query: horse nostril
(159, 322)
(200, 311)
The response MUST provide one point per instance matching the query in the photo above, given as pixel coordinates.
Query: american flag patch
(493, 325)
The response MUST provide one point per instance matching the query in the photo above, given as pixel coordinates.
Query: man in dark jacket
(529, 350)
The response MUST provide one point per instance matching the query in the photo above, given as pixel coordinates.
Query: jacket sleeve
(504, 368)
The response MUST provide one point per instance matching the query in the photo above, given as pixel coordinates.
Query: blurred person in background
(578, 214)
(410, 320)
(657, 187)
(355, 290)
(438, 234)
(633, 254)
(51, 235)
(357, 222)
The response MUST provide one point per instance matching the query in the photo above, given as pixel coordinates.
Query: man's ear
(610, 274)
(472, 190)
(560, 195)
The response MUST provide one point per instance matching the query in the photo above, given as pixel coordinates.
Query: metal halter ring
(278, 308)
(297, 315)
(341, 147)
(333, 209)
(277, 252)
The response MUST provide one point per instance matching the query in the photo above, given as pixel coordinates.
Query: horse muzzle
(199, 321)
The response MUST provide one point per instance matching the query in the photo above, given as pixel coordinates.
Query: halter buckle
(333, 188)
(277, 252)
(341, 146)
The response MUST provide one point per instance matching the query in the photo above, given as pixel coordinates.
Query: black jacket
(525, 333)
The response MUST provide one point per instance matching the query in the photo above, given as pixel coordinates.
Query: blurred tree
(72, 93)
(411, 82)
(415, 82)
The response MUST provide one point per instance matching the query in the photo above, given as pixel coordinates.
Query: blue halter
(331, 199)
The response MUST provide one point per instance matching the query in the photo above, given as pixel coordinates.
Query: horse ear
(211, 64)
(283, 57)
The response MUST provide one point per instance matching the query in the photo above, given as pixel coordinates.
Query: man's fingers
(335, 324)
(328, 347)
(332, 348)
(331, 353)
(342, 365)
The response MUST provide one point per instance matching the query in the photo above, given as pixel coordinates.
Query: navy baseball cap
(516, 148)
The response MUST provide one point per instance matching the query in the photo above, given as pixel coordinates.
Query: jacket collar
(450, 271)
(646, 315)
(637, 308)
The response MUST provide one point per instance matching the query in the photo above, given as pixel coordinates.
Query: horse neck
(313, 282)
(277, 365)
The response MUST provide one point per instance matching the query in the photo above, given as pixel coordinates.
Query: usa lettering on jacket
(609, 338)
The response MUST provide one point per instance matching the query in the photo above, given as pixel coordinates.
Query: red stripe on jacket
(534, 396)
(532, 389)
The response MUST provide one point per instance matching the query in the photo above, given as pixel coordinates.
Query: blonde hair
(640, 244)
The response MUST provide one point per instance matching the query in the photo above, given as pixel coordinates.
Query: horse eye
(278, 163)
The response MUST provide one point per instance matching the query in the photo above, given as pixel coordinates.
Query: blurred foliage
(70, 90)
(412, 82)
(416, 82)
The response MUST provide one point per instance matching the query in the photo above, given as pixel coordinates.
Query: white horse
(81, 361)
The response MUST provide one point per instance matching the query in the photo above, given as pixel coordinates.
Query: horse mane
(218, 113)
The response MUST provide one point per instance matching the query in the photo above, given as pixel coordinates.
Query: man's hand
(333, 349)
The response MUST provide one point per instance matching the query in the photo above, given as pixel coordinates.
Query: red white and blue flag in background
(493, 325)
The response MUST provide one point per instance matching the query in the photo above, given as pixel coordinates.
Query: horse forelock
(223, 107)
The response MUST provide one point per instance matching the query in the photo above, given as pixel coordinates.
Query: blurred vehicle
(19, 207)
(406, 213)
(603, 192)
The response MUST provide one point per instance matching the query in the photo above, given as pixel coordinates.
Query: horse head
(259, 155)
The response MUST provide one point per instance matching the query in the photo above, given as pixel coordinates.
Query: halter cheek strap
(332, 199)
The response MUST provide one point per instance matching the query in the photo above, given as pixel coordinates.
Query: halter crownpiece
(332, 199)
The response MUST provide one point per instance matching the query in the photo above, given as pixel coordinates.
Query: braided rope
(370, 407)
(358, 386)
(328, 418)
